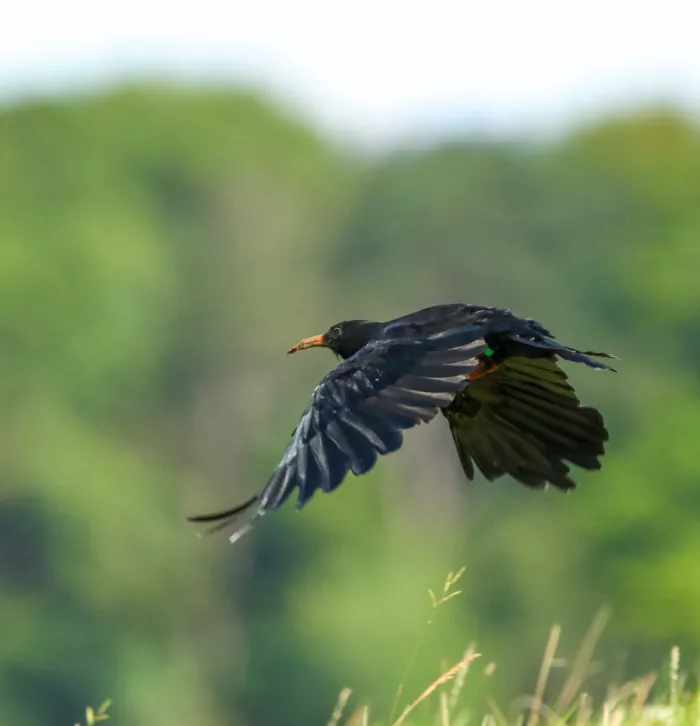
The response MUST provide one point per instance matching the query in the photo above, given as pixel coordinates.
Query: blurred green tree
(161, 248)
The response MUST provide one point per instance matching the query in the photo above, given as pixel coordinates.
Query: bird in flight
(494, 376)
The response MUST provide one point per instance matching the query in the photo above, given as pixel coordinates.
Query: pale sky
(376, 71)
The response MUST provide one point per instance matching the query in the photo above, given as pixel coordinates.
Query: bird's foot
(486, 366)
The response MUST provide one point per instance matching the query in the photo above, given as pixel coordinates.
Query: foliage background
(161, 249)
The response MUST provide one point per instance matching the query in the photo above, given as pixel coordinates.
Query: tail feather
(577, 356)
(566, 352)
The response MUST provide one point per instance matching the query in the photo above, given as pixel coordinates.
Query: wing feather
(525, 419)
(359, 410)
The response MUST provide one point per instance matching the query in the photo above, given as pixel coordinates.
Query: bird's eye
(336, 331)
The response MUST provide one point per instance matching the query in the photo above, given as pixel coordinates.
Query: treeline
(162, 248)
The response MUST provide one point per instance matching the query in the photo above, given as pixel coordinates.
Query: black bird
(495, 377)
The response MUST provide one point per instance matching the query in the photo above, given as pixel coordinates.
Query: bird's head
(344, 339)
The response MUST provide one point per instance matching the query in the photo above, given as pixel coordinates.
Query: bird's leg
(486, 366)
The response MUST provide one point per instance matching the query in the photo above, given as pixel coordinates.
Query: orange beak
(316, 341)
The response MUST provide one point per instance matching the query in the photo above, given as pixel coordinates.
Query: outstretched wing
(525, 419)
(359, 410)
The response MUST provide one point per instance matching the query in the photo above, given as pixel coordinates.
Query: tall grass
(639, 702)
(94, 716)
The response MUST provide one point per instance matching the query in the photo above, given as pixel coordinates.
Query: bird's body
(494, 377)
